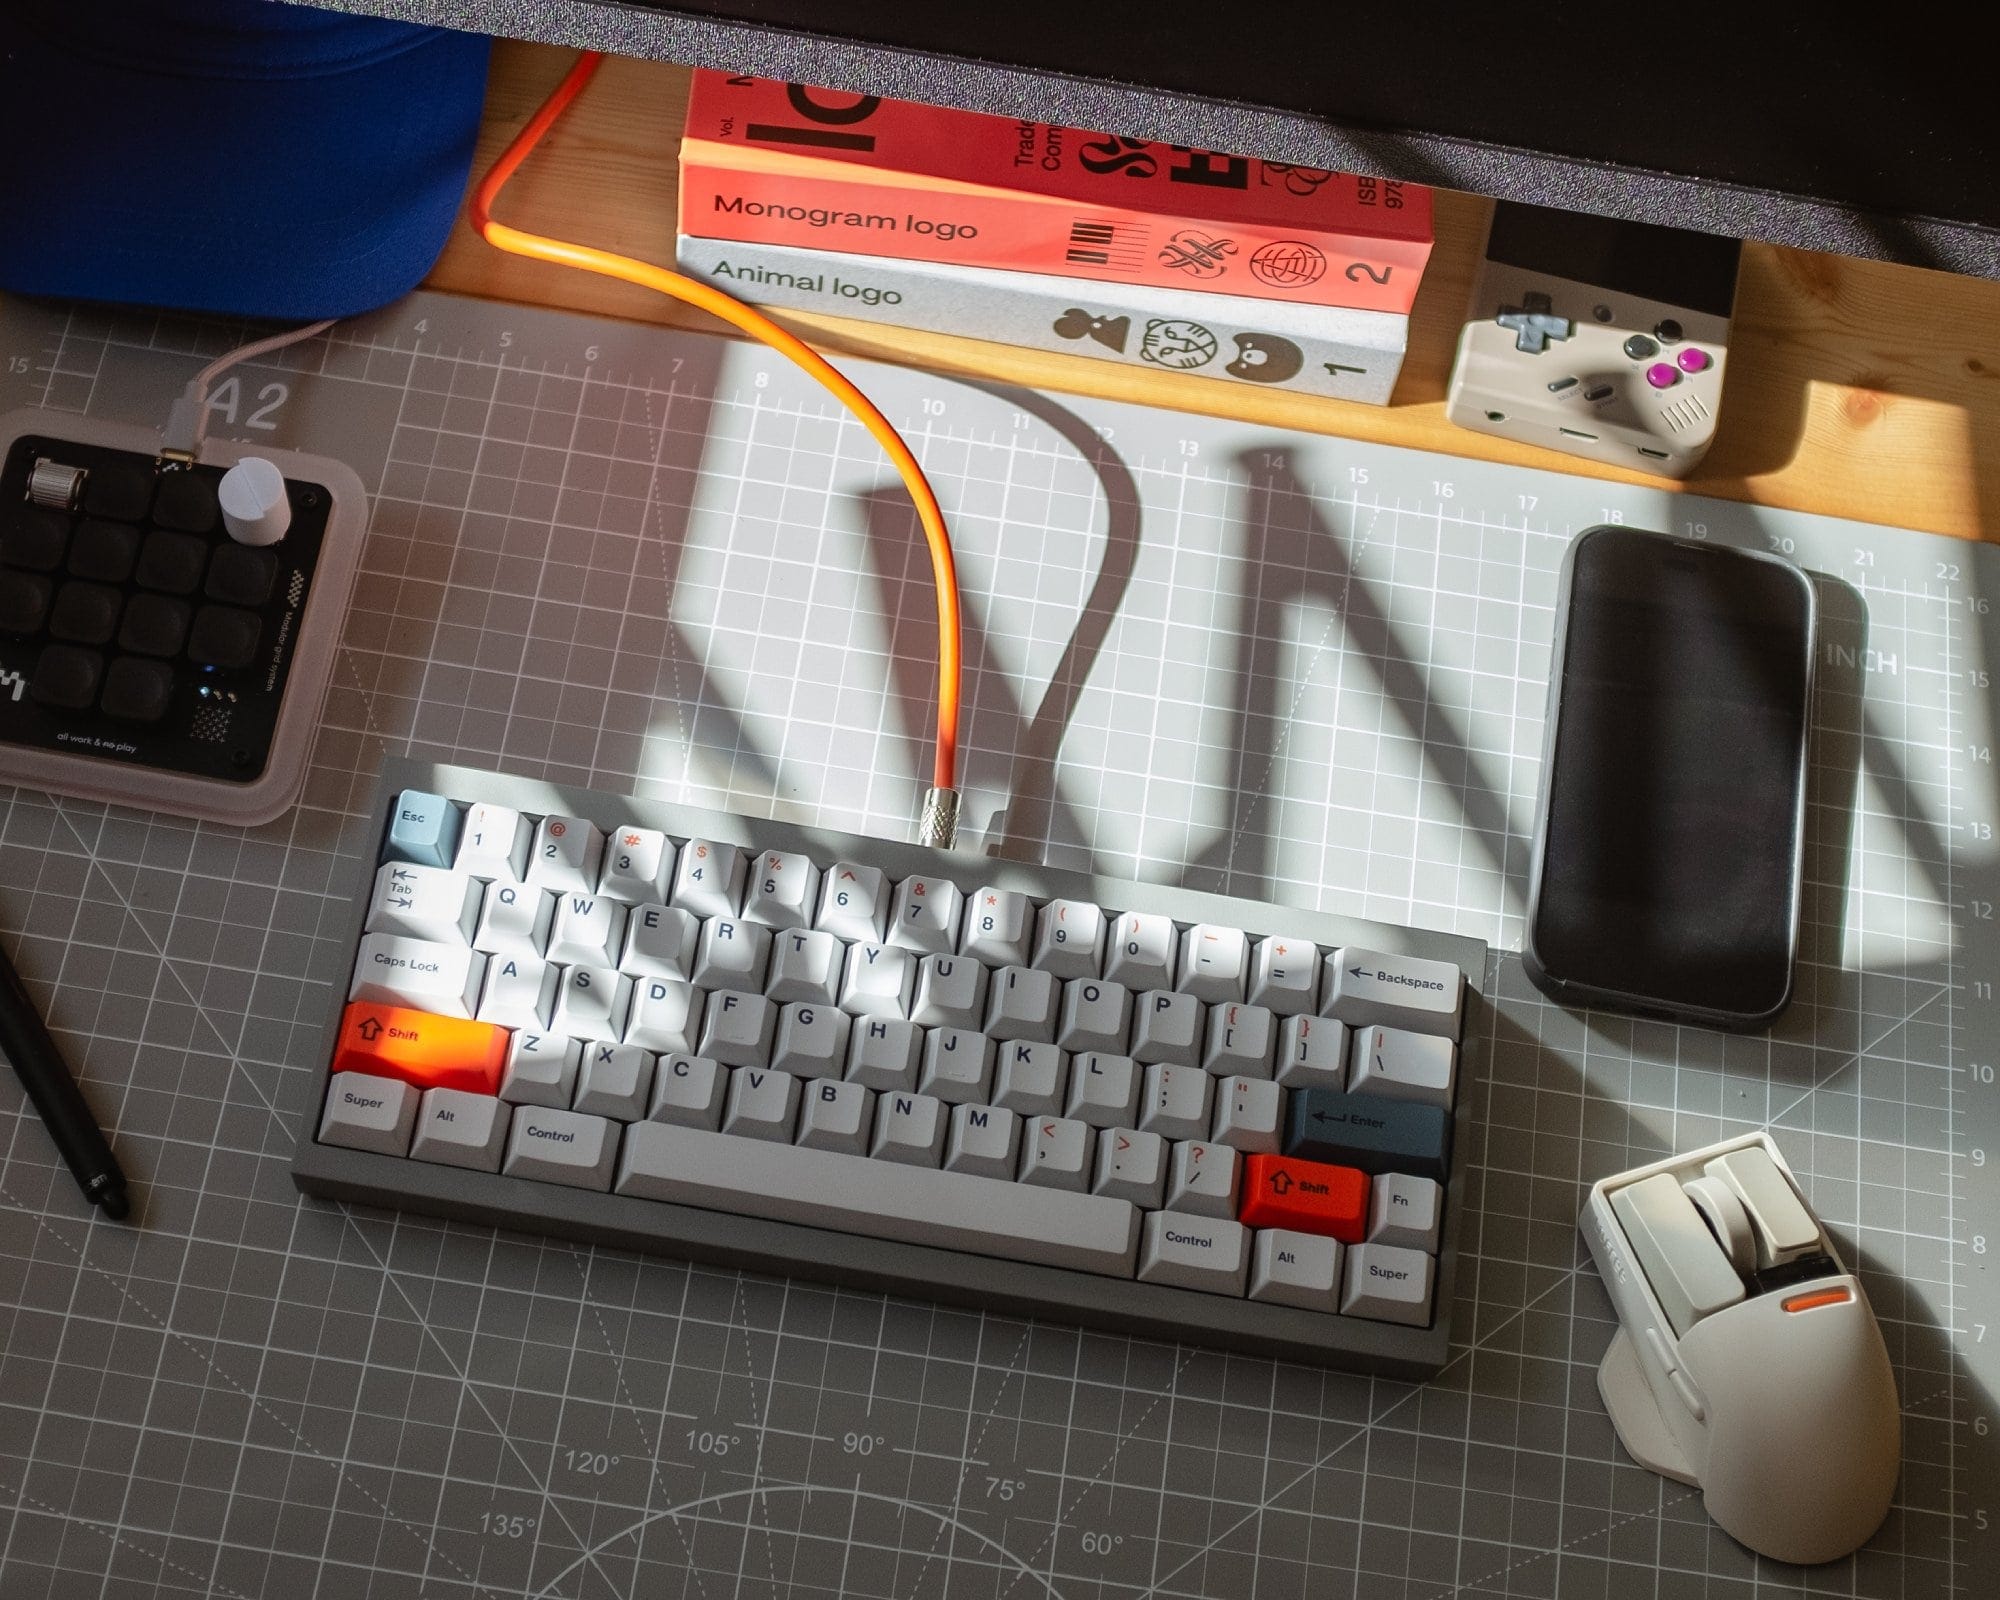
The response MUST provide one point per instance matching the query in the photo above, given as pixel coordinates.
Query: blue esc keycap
(423, 830)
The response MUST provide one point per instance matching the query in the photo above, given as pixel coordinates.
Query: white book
(1323, 350)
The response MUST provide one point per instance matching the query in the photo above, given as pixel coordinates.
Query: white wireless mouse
(1748, 1362)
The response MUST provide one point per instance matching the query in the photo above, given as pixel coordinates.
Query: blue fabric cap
(236, 156)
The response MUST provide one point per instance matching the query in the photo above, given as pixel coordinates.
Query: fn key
(1370, 1133)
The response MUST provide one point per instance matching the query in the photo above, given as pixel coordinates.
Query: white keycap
(1201, 1179)
(1022, 1003)
(783, 887)
(1141, 951)
(1365, 986)
(1405, 1210)
(708, 879)
(834, 1115)
(456, 1128)
(1030, 1077)
(1096, 1015)
(1195, 1252)
(1055, 1153)
(614, 1080)
(949, 992)
(737, 1029)
(1387, 1284)
(561, 1147)
(996, 929)
(664, 1015)
(1247, 1113)
(1131, 1166)
(1069, 938)
(567, 856)
(1103, 1090)
(805, 967)
(541, 1070)
(520, 992)
(1215, 962)
(1400, 1065)
(589, 929)
(1175, 1101)
(958, 1066)
(1284, 976)
(441, 978)
(1240, 1041)
(812, 1041)
(733, 955)
(924, 915)
(876, 981)
(762, 1104)
(423, 903)
(853, 903)
(492, 843)
(364, 1112)
(1295, 1269)
(638, 866)
(983, 1141)
(880, 1199)
(1166, 1026)
(591, 1003)
(514, 920)
(688, 1091)
(1312, 1053)
(882, 1053)
(909, 1128)
(660, 942)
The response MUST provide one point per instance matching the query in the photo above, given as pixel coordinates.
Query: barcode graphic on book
(1105, 244)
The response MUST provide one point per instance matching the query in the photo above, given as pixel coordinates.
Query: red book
(773, 163)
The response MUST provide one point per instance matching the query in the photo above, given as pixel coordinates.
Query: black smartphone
(1671, 824)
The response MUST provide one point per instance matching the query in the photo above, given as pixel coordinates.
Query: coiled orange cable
(758, 326)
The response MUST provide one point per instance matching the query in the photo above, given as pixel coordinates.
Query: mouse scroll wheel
(1726, 1219)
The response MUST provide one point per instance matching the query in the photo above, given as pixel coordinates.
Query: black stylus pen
(37, 1063)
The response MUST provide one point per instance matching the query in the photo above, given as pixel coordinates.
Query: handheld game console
(1597, 337)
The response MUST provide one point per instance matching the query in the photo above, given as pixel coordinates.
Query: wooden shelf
(1856, 388)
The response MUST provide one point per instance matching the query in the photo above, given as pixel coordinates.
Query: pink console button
(1693, 360)
(1662, 376)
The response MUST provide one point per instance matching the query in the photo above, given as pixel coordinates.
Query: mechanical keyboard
(983, 1082)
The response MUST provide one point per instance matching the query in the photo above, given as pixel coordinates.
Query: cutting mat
(1266, 664)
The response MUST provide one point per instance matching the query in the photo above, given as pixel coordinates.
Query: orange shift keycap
(427, 1051)
(1305, 1196)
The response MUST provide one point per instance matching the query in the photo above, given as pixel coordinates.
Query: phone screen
(1673, 807)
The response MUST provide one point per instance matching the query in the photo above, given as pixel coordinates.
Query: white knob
(255, 508)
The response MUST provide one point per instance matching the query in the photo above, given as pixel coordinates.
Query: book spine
(1035, 233)
(757, 121)
(1333, 351)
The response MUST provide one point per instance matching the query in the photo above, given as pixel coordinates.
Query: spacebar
(882, 1199)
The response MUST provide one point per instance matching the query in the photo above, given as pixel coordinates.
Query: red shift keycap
(429, 1052)
(1305, 1196)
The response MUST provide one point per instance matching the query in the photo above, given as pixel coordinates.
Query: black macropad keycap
(172, 562)
(35, 540)
(104, 552)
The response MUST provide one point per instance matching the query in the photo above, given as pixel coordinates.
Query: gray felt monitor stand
(1777, 131)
